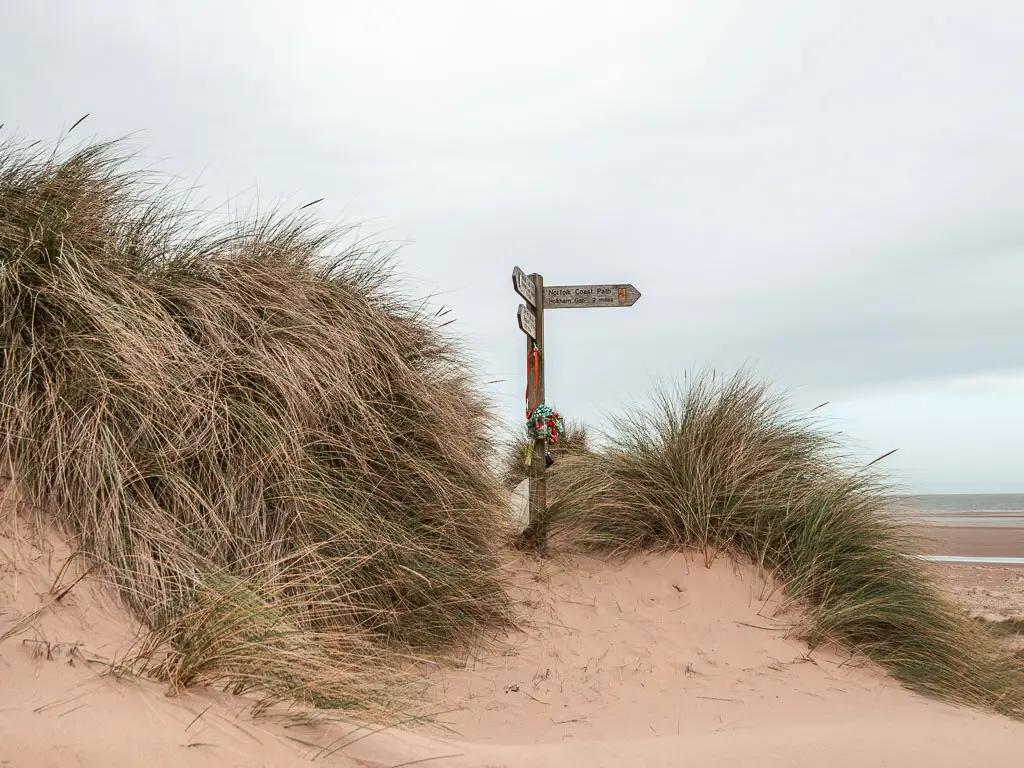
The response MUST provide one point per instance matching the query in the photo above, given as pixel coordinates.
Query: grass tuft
(574, 440)
(723, 466)
(247, 427)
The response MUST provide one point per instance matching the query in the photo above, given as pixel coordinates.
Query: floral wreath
(545, 424)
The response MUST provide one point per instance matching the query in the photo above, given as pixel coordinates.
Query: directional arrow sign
(527, 321)
(589, 296)
(524, 286)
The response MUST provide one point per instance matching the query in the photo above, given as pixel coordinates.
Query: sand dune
(662, 657)
(656, 646)
(658, 661)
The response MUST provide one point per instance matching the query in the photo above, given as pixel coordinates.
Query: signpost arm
(538, 483)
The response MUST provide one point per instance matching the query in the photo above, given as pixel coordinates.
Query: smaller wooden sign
(527, 321)
(524, 286)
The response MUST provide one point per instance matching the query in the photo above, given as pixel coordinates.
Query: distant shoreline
(974, 529)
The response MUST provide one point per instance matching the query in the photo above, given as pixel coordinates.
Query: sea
(991, 512)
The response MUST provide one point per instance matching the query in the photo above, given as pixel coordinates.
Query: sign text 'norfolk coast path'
(590, 296)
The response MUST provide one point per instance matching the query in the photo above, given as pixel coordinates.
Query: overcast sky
(831, 193)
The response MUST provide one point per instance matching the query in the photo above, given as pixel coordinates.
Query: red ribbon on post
(536, 378)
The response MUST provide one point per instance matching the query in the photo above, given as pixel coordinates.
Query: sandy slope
(663, 658)
(654, 662)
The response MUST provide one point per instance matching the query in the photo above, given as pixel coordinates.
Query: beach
(981, 529)
(976, 544)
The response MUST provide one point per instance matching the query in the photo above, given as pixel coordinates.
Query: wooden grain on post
(538, 482)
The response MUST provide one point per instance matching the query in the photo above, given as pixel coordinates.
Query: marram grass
(722, 466)
(247, 427)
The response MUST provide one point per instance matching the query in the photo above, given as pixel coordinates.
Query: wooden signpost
(539, 297)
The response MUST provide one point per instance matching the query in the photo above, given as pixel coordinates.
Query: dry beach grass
(722, 466)
(246, 429)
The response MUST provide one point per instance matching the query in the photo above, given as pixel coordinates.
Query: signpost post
(539, 297)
